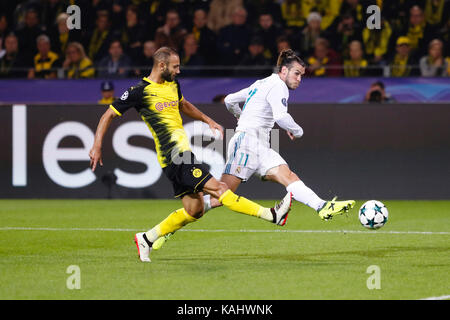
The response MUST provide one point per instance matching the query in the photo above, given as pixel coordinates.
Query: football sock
(206, 203)
(176, 220)
(305, 195)
(242, 205)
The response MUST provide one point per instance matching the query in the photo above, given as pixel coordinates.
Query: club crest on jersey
(284, 102)
(124, 96)
(197, 173)
(161, 106)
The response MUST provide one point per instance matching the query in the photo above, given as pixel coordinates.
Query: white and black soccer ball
(373, 214)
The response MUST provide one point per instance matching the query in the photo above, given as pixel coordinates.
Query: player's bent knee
(196, 212)
(293, 176)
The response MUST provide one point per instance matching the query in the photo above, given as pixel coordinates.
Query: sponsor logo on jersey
(161, 106)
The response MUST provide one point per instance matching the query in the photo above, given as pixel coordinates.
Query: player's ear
(161, 66)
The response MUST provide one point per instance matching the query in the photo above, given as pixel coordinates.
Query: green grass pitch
(224, 255)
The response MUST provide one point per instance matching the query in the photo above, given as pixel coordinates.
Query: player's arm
(96, 152)
(191, 111)
(233, 99)
(278, 102)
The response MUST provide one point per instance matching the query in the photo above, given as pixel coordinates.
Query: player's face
(294, 75)
(172, 68)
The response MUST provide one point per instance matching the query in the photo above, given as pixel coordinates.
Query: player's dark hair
(286, 58)
(163, 54)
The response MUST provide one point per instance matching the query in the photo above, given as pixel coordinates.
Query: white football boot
(281, 210)
(144, 246)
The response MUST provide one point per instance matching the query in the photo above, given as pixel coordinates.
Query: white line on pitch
(437, 298)
(226, 230)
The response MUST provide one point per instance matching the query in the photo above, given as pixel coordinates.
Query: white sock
(305, 195)
(206, 203)
(152, 234)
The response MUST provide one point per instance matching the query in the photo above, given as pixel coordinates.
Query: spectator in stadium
(376, 42)
(397, 13)
(132, 34)
(100, 38)
(233, 39)
(254, 63)
(324, 61)
(443, 33)
(328, 9)
(27, 35)
(119, 12)
(221, 12)
(4, 29)
(190, 59)
(267, 30)
(355, 8)
(146, 59)
(378, 94)
(310, 33)
(91, 9)
(61, 35)
(401, 63)
(283, 43)
(293, 15)
(434, 64)
(343, 31)
(77, 65)
(171, 34)
(356, 65)
(436, 12)
(12, 63)
(50, 10)
(107, 92)
(256, 8)
(417, 31)
(45, 62)
(116, 64)
(205, 37)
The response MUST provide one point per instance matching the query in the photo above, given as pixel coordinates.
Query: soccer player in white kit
(249, 151)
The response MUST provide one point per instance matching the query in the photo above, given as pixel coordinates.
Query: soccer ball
(373, 214)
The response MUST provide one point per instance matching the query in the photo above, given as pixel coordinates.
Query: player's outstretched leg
(326, 209)
(279, 215)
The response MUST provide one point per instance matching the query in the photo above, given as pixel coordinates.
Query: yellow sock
(243, 205)
(176, 220)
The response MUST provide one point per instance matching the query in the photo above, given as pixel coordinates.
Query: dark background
(358, 151)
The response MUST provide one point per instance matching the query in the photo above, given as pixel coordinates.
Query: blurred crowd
(117, 38)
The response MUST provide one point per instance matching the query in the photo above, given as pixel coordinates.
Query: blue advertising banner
(203, 90)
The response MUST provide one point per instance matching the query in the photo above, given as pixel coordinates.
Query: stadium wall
(366, 151)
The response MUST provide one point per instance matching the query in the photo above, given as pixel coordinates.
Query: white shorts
(248, 155)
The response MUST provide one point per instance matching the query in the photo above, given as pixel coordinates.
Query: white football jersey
(265, 101)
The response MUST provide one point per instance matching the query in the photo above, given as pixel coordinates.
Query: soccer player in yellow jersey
(158, 100)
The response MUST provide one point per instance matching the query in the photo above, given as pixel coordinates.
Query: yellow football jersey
(158, 106)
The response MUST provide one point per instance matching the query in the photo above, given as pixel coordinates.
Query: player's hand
(290, 135)
(96, 157)
(215, 126)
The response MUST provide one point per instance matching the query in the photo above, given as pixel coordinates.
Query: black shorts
(187, 175)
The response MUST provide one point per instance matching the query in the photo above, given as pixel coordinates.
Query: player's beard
(167, 76)
(291, 85)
